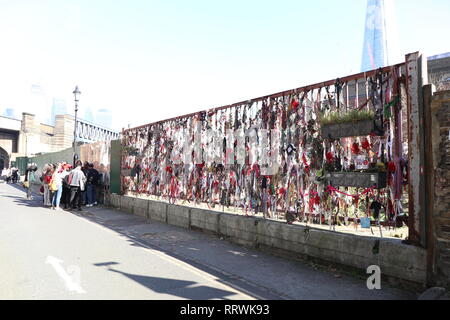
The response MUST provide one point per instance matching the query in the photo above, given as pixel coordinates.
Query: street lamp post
(25, 132)
(76, 94)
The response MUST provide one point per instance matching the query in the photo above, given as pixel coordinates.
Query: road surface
(106, 254)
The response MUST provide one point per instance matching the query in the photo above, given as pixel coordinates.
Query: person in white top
(7, 175)
(57, 178)
(4, 174)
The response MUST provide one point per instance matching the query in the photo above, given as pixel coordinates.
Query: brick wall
(441, 205)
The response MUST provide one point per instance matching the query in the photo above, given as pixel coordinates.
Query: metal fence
(330, 153)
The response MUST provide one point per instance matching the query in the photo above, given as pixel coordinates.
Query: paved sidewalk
(58, 255)
(258, 274)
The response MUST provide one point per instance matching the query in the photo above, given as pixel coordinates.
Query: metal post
(429, 185)
(76, 94)
(75, 158)
(416, 77)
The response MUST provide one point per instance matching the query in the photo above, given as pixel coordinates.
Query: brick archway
(4, 159)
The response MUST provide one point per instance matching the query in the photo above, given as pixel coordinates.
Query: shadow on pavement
(226, 279)
(37, 200)
(21, 201)
(180, 288)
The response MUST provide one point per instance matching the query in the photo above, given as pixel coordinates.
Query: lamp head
(77, 94)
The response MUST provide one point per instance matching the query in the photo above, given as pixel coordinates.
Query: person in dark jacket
(15, 175)
(65, 199)
(30, 178)
(85, 170)
(92, 182)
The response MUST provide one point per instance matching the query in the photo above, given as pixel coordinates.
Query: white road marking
(71, 283)
(179, 263)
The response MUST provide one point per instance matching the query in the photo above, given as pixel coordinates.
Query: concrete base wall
(157, 211)
(127, 204)
(140, 208)
(205, 220)
(239, 229)
(114, 201)
(395, 259)
(178, 216)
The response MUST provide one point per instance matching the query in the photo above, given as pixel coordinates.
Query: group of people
(10, 175)
(72, 187)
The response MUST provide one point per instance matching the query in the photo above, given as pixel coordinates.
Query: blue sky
(149, 60)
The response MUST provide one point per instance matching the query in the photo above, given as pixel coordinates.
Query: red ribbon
(355, 148)
(330, 157)
(366, 145)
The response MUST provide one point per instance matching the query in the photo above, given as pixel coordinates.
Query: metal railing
(266, 156)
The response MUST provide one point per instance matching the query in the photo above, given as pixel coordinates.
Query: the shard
(380, 39)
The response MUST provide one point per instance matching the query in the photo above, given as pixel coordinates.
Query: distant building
(104, 118)
(59, 107)
(439, 71)
(29, 137)
(380, 43)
